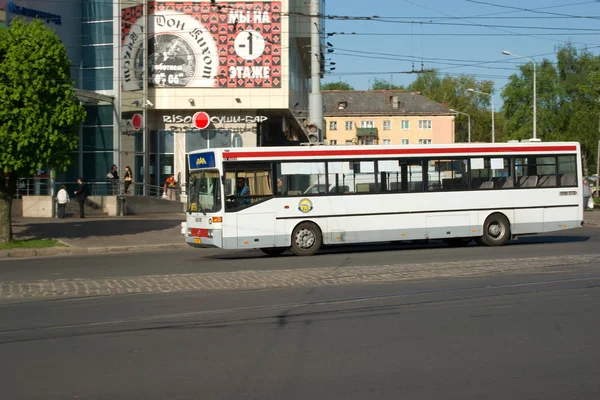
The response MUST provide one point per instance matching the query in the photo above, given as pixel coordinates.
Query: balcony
(370, 133)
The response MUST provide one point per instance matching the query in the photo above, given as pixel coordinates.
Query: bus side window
(299, 178)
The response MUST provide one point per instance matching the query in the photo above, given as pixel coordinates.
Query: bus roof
(391, 151)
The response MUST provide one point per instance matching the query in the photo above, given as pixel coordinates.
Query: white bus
(302, 198)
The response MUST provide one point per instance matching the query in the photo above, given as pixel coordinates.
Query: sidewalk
(100, 235)
(592, 218)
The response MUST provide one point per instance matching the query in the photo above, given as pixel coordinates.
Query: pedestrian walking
(81, 194)
(128, 179)
(586, 194)
(62, 197)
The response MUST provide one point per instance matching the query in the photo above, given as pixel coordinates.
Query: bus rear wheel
(273, 251)
(306, 239)
(496, 230)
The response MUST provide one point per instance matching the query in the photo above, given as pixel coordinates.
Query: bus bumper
(214, 238)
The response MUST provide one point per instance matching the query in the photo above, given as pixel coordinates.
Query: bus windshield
(204, 193)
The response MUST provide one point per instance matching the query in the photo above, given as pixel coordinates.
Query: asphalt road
(450, 323)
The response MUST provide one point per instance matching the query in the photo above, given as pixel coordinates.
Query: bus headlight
(210, 233)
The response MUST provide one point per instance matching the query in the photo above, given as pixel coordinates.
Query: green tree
(382, 84)
(340, 85)
(39, 112)
(568, 104)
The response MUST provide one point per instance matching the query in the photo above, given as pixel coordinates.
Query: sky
(454, 36)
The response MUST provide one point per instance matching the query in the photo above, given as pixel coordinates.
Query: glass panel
(98, 115)
(98, 79)
(535, 171)
(490, 173)
(297, 178)
(72, 172)
(209, 139)
(244, 187)
(449, 174)
(139, 173)
(166, 142)
(97, 56)
(97, 138)
(139, 142)
(153, 141)
(97, 33)
(204, 194)
(167, 167)
(96, 165)
(567, 170)
(97, 10)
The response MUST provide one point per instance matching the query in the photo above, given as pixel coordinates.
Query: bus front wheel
(496, 230)
(306, 239)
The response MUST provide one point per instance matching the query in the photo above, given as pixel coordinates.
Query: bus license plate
(197, 240)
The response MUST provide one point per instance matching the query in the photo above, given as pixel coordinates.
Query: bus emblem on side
(200, 161)
(305, 206)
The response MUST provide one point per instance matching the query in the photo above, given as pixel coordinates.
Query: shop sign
(13, 8)
(201, 120)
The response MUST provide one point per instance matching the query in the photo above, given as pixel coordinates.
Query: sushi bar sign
(201, 119)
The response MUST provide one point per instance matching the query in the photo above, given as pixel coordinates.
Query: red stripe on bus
(367, 152)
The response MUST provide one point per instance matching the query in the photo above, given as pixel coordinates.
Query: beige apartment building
(385, 117)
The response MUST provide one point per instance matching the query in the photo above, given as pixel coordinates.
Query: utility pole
(315, 100)
(145, 132)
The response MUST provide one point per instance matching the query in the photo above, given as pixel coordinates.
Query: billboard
(203, 45)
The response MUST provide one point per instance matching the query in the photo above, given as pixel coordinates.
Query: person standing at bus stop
(170, 187)
(62, 198)
(586, 194)
(81, 194)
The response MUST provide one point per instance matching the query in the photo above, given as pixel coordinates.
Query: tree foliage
(382, 84)
(453, 93)
(39, 112)
(340, 85)
(568, 95)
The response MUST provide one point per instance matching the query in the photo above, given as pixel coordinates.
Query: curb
(69, 251)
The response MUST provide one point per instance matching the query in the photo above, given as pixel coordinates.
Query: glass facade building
(252, 97)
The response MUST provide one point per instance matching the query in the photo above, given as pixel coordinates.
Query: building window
(100, 32)
(349, 125)
(424, 141)
(367, 142)
(387, 125)
(387, 141)
(425, 124)
(97, 56)
(349, 142)
(405, 124)
(367, 124)
(333, 125)
(333, 142)
(97, 79)
(405, 141)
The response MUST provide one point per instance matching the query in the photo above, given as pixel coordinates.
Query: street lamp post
(508, 53)
(491, 97)
(469, 122)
